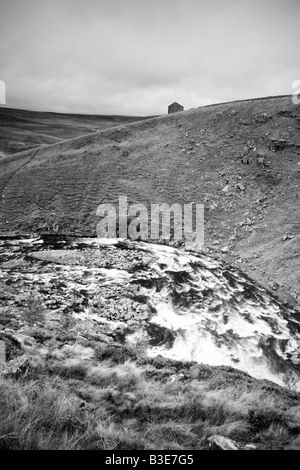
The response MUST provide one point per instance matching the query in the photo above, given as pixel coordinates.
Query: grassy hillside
(241, 159)
(117, 399)
(23, 130)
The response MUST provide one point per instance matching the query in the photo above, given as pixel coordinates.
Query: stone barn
(175, 108)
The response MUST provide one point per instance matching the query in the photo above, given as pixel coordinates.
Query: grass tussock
(80, 402)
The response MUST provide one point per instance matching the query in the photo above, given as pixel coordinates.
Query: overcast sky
(135, 57)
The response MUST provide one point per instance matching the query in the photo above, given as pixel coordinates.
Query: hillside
(23, 130)
(241, 159)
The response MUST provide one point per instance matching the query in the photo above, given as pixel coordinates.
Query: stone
(240, 187)
(217, 442)
(250, 447)
(16, 367)
(287, 237)
(222, 443)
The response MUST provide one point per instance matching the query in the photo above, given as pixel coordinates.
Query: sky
(135, 57)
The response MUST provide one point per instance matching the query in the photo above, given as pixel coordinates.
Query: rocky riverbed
(61, 291)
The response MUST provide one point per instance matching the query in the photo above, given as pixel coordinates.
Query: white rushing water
(219, 317)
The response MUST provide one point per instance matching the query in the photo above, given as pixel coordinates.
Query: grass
(73, 400)
(33, 313)
(40, 128)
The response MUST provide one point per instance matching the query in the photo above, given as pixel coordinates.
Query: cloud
(134, 57)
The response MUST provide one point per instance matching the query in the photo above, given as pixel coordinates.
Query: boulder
(222, 443)
(16, 367)
(217, 442)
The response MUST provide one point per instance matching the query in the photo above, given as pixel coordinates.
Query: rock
(22, 339)
(240, 187)
(130, 396)
(16, 367)
(225, 249)
(101, 337)
(277, 145)
(224, 443)
(248, 221)
(262, 118)
(250, 447)
(287, 237)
